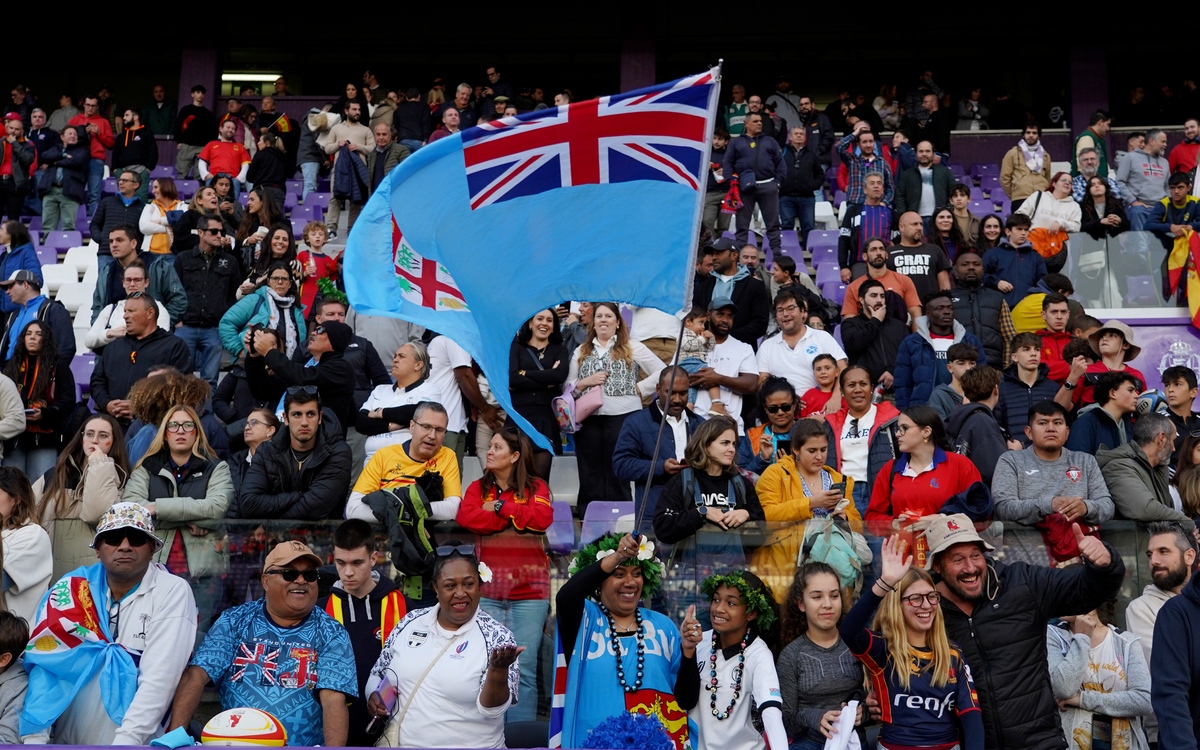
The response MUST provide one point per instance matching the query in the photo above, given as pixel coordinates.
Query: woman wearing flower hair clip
(447, 673)
(620, 657)
(736, 665)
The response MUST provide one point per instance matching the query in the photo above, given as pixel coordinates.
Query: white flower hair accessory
(604, 553)
(485, 573)
(645, 548)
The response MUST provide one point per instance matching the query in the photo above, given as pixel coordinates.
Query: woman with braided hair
(736, 664)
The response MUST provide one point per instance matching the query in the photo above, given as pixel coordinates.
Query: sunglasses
(450, 549)
(210, 230)
(296, 390)
(291, 574)
(776, 408)
(116, 536)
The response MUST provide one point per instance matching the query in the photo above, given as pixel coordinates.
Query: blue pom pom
(630, 731)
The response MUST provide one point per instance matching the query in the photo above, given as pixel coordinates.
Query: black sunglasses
(776, 408)
(116, 536)
(462, 549)
(296, 390)
(291, 574)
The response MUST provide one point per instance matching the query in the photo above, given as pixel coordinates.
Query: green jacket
(165, 287)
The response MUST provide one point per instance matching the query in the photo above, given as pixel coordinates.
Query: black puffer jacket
(1004, 642)
(273, 487)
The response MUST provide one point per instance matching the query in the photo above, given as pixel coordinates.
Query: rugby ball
(244, 726)
(1152, 400)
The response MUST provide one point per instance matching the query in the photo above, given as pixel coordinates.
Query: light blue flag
(599, 200)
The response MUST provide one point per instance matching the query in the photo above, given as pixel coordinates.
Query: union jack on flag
(658, 135)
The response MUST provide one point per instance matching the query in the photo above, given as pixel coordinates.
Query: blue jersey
(258, 664)
(921, 714)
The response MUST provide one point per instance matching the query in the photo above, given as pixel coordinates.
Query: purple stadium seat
(1141, 291)
(989, 183)
(110, 186)
(979, 170)
(60, 242)
(601, 517)
(244, 198)
(163, 170)
(828, 273)
(307, 213)
(824, 255)
(187, 188)
(294, 186)
(35, 226)
(816, 236)
(981, 207)
(959, 173)
(977, 194)
(790, 242)
(318, 199)
(561, 534)
(298, 228)
(837, 332)
(290, 201)
(834, 290)
(81, 367)
(47, 256)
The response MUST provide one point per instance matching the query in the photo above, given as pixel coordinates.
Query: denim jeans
(792, 207)
(1138, 216)
(205, 346)
(527, 620)
(95, 184)
(310, 170)
(33, 461)
(411, 144)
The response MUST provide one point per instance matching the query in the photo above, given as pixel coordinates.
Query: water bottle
(877, 395)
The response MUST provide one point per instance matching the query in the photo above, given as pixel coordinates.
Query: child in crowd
(1026, 382)
(960, 357)
(14, 634)
(369, 606)
(314, 262)
(698, 343)
(968, 223)
(1180, 388)
(825, 370)
(1113, 341)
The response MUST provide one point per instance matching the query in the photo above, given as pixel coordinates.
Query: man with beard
(926, 187)
(352, 134)
(819, 129)
(738, 284)
(1026, 167)
(731, 367)
(863, 223)
(997, 615)
(927, 265)
(1172, 556)
(982, 311)
(898, 284)
(135, 149)
(1089, 167)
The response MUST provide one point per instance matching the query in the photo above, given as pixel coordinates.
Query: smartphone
(30, 411)
(387, 693)
(839, 487)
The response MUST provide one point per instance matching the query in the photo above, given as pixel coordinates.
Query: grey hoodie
(13, 682)
(1143, 177)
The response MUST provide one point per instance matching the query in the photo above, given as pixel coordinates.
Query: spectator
(204, 204)
(61, 116)
(820, 131)
(790, 354)
(926, 477)
(369, 371)
(331, 374)
(935, 125)
(155, 222)
(17, 157)
(1171, 555)
(1050, 486)
(386, 155)
(1108, 424)
(945, 233)
(275, 305)
(1056, 213)
(62, 185)
(1114, 343)
(980, 310)
(1094, 136)
(1102, 214)
(509, 509)
(924, 187)
(1089, 167)
(312, 706)
(225, 156)
(387, 412)
(608, 360)
(121, 210)
(538, 363)
(634, 452)
(946, 397)
(153, 614)
(135, 149)
(110, 323)
(758, 181)
(864, 222)
(353, 135)
(1025, 169)
(450, 369)
(1015, 680)
(813, 698)
(316, 265)
(411, 121)
(209, 275)
(920, 363)
(100, 140)
(158, 279)
(24, 290)
(27, 563)
(767, 443)
(194, 127)
(1175, 213)
(1013, 266)
(47, 388)
(316, 487)
(1180, 389)
(872, 337)
(910, 617)
(14, 637)
(86, 480)
(119, 366)
(262, 214)
(259, 426)
(159, 112)
(268, 168)
(803, 177)
(1138, 472)
(1026, 383)
(973, 429)
(966, 222)
(1056, 312)
(926, 265)
(1143, 179)
(991, 229)
(799, 486)
(716, 187)
(1087, 652)
(860, 160)
(1173, 669)
(369, 606)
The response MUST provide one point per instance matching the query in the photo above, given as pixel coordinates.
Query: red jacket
(1183, 157)
(1086, 392)
(102, 140)
(1052, 356)
(516, 554)
(925, 493)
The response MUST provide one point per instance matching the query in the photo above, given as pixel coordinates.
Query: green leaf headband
(652, 568)
(754, 597)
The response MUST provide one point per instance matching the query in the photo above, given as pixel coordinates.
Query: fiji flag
(598, 200)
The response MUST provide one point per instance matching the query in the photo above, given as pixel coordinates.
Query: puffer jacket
(201, 500)
(918, 368)
(881, 446)
(1016, 399)
(980, 310)
(255, 309)
(274, 489)
(1004, 641)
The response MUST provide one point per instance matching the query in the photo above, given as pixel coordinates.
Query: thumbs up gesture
(1092, 549)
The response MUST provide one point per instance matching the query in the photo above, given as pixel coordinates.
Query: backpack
(830, 541)
(406, 511)
(737, 488)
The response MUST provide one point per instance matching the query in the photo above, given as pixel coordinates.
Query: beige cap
(947, 531)
(289, 552)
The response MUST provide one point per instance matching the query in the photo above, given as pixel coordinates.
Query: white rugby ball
(244, 726)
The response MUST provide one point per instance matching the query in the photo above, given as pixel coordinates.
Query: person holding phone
(798, 487)
(765, 443)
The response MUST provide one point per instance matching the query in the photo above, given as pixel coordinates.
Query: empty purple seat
(977, 194)
(298, 228)
(81, 367)
(294, 186)
(958, 171)
(318, 199)
(817, 235)
(47, 256)
(187, 188)
(989, 183)
(110, 186)
(833, 290)
(828, 273)
(61, 242)
(290, 201)
(981, 207)
(824, 255)
(35, 226)
(163, 170)
(601, 517)
(307, 213)
(561, 533)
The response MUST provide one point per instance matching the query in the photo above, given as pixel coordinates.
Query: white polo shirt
(444, 356)
(777, 358)
(730, 358)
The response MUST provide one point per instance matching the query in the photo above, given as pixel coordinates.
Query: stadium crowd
(814, 512)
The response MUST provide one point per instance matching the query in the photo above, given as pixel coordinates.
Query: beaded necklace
(616, 646)
(737, 675)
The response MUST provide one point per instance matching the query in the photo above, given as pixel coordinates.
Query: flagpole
(687, 301)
